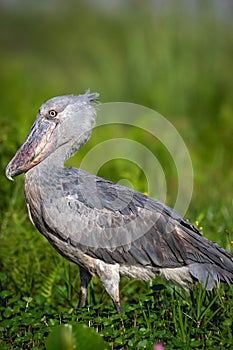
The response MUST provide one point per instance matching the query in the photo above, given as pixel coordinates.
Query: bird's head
(63, 122)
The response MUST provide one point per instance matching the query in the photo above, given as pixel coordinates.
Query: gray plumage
(105, 228)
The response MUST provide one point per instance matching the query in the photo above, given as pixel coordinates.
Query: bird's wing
(117, 224)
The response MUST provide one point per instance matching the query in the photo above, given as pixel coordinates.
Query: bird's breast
(53, 215)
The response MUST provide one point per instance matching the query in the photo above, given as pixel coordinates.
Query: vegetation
(173, 59)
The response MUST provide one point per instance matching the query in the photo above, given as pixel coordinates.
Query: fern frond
(48, 283)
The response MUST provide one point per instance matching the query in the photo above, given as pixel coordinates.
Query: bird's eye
(52, 113)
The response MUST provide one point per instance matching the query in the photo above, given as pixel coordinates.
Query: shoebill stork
(106, 229)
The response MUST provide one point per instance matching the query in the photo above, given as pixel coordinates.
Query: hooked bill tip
(10, 178)
(8, 174)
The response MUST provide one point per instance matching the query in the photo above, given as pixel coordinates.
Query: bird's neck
(68, 149)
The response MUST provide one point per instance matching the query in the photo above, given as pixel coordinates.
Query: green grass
(176, 62)
(165, 315)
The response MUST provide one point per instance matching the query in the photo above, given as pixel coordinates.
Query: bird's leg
(85, 277)
(117, 306)
(110, 277)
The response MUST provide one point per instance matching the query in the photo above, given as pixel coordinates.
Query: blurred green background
(173, 56)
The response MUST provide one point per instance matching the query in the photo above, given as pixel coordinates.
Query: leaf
(142, 344)
(79, 337)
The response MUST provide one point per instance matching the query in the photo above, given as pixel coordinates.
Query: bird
(105, 228)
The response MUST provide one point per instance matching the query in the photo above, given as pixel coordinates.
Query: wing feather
(94, 210)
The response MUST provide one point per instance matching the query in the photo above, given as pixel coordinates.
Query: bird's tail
(208, 262)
